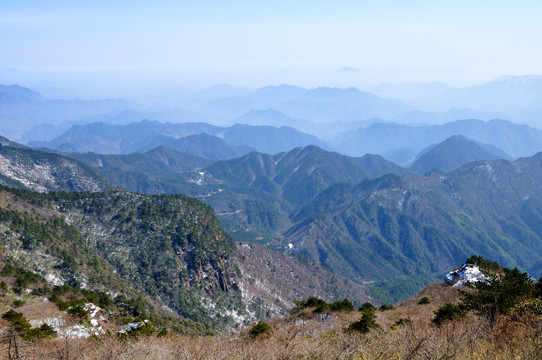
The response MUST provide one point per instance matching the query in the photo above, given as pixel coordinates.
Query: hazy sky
(122, 44)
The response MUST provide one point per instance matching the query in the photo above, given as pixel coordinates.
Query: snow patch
(132, 326)
(55, 322)
(465, 274)
(81, 331)
(54, 280)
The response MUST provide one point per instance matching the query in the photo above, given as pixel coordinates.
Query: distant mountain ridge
(202, 145)
(22, 108)
(323, 104)
(380, 138)
(270, 139)
(453, 153)
(507, 94)
(200, 139)
(121, 139)
(141, 172)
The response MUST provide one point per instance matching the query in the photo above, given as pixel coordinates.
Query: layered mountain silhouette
(380, 138)
(22, 108)
(200, 139)
(453, 153)
(202, 145)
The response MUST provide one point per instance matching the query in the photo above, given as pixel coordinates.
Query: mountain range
(510, 94)
(169, 248)
(398, 142)
(363, 217)
(22, 108)
(200, 139)
(380, 138)
(396, 226)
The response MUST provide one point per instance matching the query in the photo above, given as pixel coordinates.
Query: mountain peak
(454, 152)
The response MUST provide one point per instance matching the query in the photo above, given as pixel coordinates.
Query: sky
(118, 46)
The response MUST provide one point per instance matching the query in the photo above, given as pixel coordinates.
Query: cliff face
(169, 248)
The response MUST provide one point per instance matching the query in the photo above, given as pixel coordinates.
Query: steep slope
(279, 279)
(253, 195)
(155, 172)
(7, 142)
(166, 252)
(299, 174)
(394, 227)
(41, 171)
(169, 248)
(453, 153)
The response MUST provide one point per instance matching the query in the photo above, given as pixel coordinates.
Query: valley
(280, 180)
(196, 229)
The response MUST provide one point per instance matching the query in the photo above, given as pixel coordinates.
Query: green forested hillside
(393, 228)
(170, 249)
(254, 194)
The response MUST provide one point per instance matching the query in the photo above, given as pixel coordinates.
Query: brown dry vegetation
(467, 339)
(322, 336)
(277, 280)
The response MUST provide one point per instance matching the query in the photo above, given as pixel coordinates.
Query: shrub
(320, 305)
(538, 288)
(448, 312)
(531, 306)
(261, 329)
(17, 322)
(385, 307)
(18, 303)
(367, 306)
(43, 331)
(484, 264)
(146, 328)
(344, 305)
(500, 293)
(366, 323)
(424, 300)
(4, 288)
(20, 326)
(78, 310)
(402, 321)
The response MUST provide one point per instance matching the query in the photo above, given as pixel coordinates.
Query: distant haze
(118, 48)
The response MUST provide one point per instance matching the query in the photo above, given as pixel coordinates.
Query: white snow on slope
(465, 274)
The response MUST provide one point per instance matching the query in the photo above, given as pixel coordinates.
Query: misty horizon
(110, 49)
